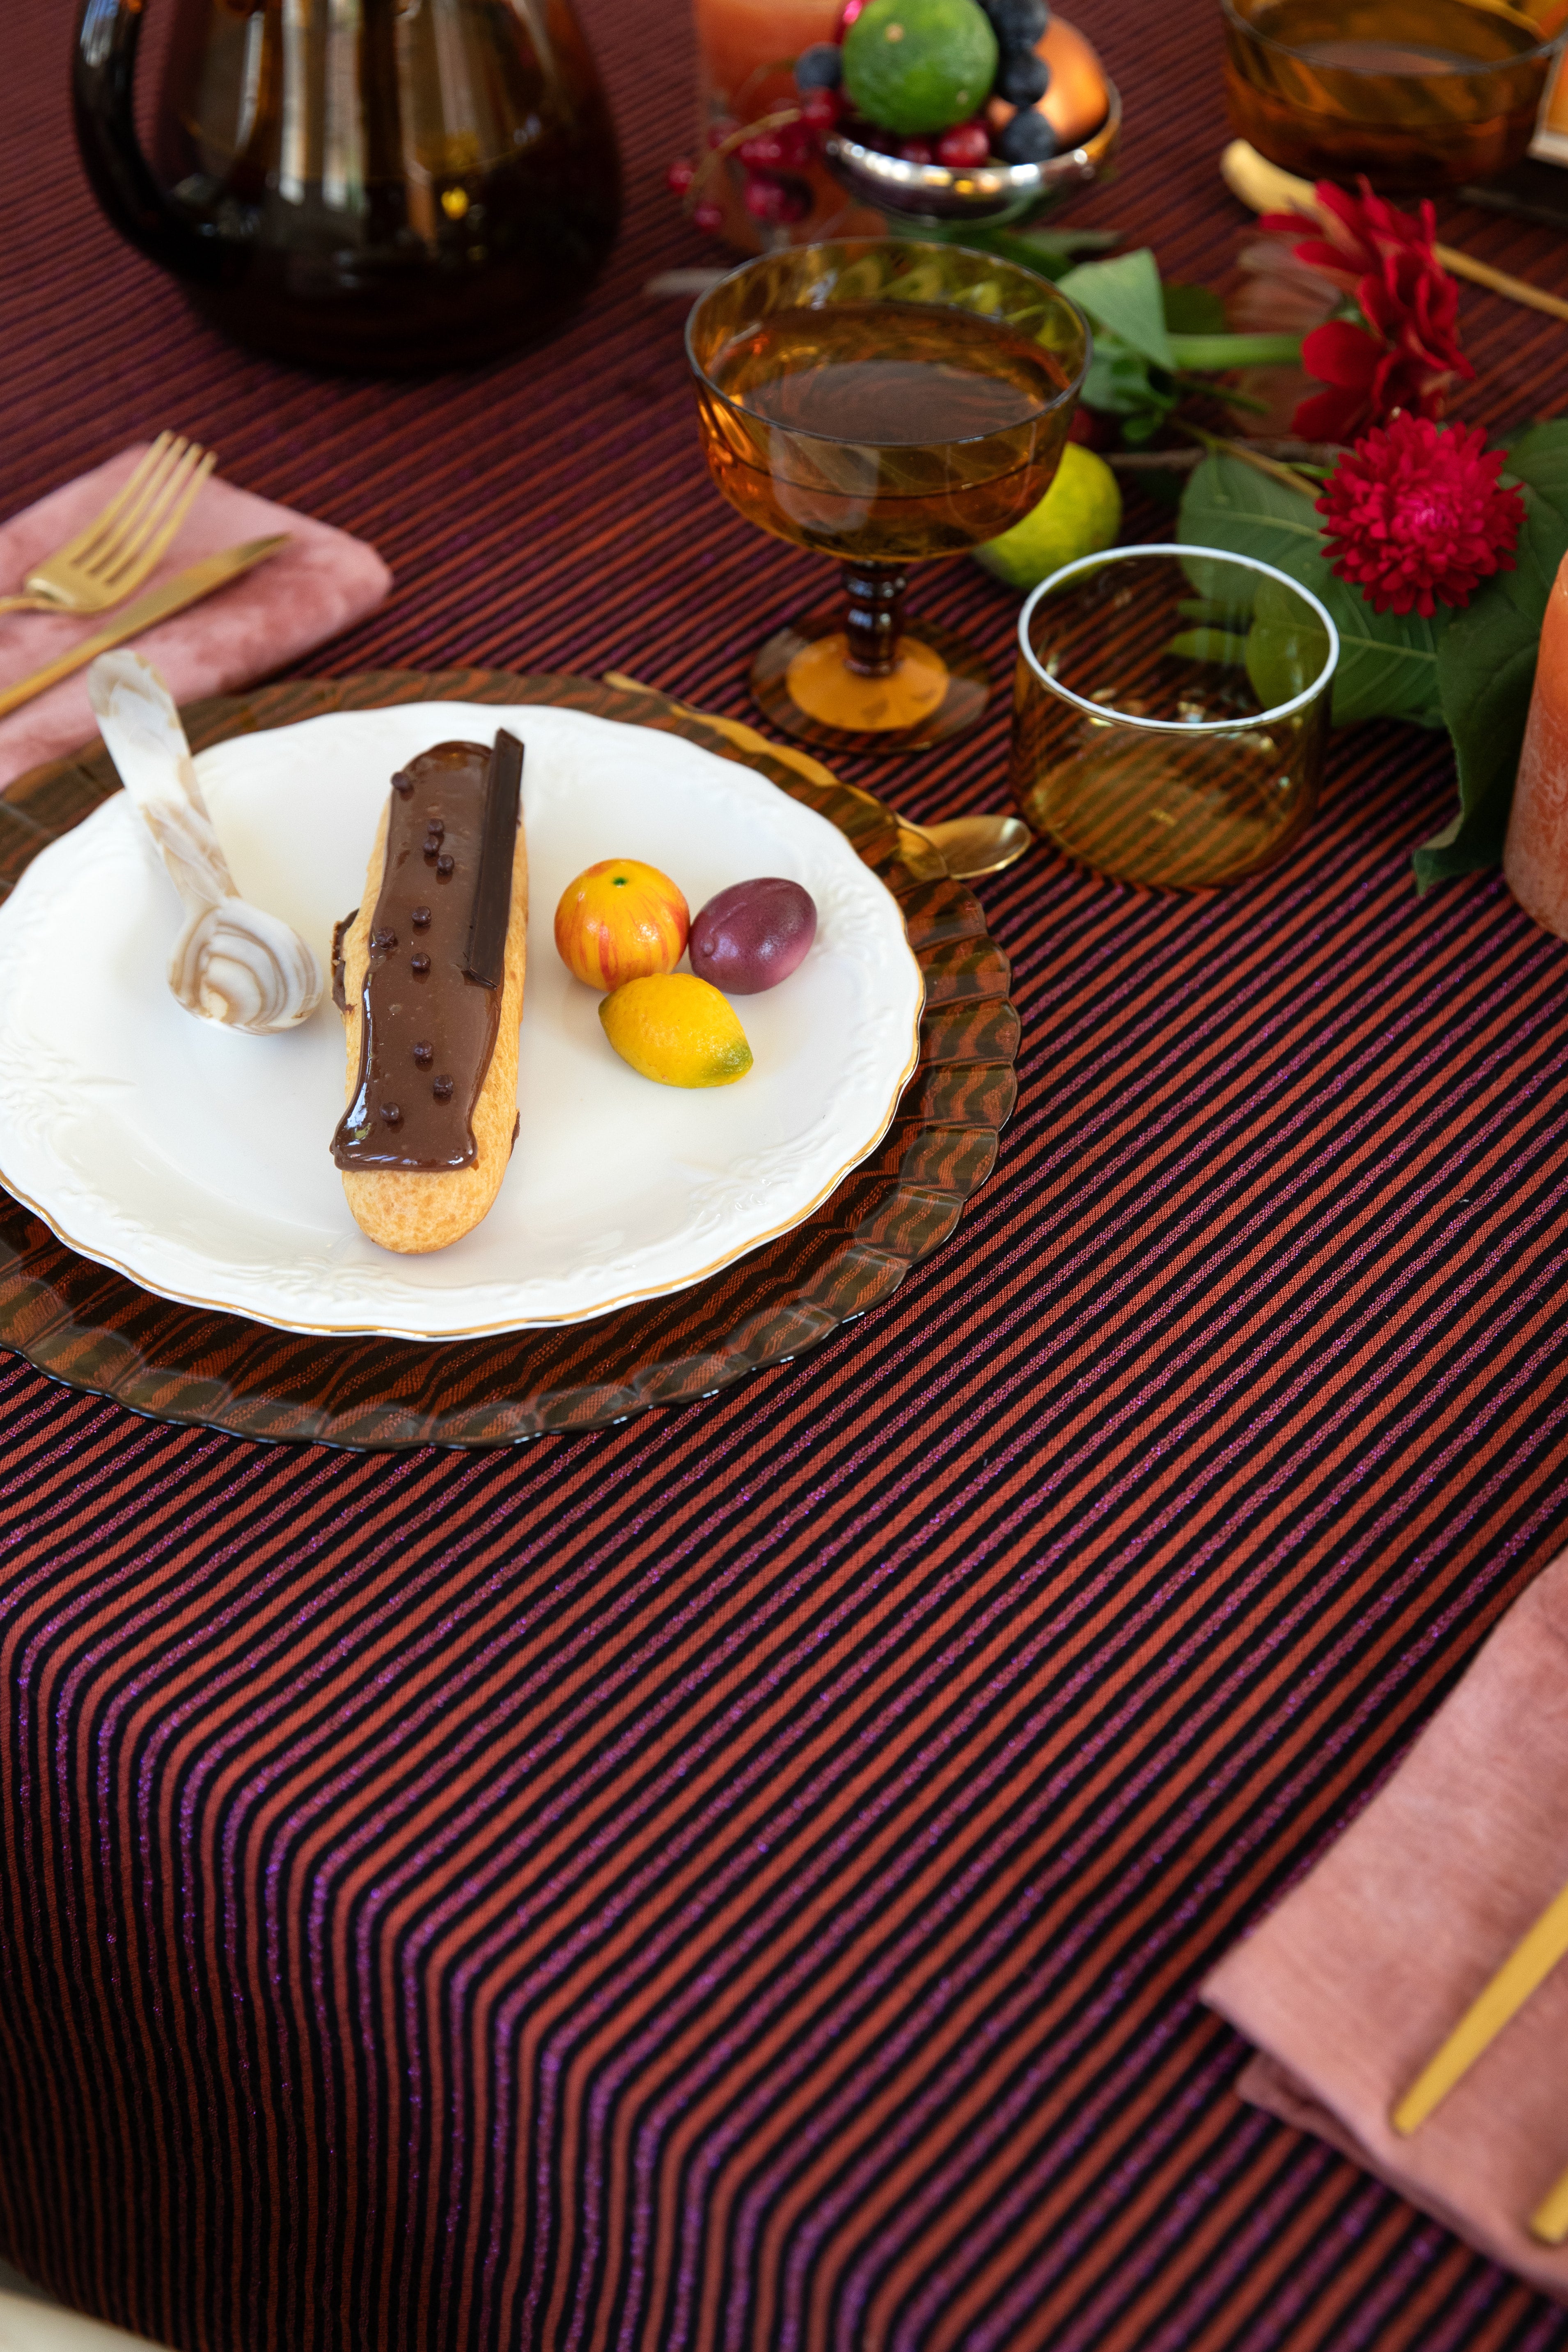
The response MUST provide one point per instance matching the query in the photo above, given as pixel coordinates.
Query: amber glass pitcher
(380, 185)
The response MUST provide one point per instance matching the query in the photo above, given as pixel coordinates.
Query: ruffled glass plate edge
(90, 1329)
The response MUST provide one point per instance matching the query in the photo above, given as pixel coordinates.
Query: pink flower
(1404, 353)
(1414, 516)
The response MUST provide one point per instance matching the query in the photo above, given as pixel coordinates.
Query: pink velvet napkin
(1366, 1967)
(319, 583)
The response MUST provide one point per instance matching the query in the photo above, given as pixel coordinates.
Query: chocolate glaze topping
(421, 1009)
(486, 959)
(339, 932)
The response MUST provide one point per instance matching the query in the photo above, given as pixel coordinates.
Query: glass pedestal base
(936, 687)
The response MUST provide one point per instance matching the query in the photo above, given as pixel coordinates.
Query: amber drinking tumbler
(1171, 707)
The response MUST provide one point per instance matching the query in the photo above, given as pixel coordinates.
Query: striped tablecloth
(739, 1878)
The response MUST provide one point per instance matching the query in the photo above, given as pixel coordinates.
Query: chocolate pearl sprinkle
(392, 1114)
(383, 940)
(424, 1055)
(430, 853)
(442, 1089)
(420, 917)
(402, 785)
(444, 866)
(421, 964)
(434, 827)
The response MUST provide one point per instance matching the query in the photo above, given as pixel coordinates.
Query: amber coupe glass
(881, 401)
(1414, 93)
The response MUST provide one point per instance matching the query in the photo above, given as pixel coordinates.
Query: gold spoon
(967, 846)
(972, 845)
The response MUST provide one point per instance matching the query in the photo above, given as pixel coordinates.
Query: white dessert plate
(197, 1161)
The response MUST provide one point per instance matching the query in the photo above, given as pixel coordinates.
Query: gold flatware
(970, 846)
(1532, 1960)
(112, 555)
(967, 846)
(188, 587)
(1263, 187)
(1548, 2222)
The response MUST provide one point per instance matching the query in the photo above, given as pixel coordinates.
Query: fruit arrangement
(957, 83)
(621, 926)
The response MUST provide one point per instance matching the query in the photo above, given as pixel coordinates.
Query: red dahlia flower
(1406, 354)
(1413, 515)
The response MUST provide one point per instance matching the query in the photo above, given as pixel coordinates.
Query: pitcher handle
(102, 67)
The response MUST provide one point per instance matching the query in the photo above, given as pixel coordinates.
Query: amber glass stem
(875, 596)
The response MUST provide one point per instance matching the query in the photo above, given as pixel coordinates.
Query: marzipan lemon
(676, 1030)
(915, 65)
(1079, 514)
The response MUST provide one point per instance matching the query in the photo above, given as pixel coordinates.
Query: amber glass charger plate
(85, 1325)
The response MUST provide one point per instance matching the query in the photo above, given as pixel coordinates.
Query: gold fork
(119, 546)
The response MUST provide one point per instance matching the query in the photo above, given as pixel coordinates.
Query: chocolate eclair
(427, 974)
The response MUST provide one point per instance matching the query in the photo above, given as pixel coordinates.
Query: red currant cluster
(773, 153)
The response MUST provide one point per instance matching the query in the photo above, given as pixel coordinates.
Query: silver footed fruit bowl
(985, 192)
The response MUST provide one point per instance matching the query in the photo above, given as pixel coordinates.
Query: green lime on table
(914, 65)
(1079, 514)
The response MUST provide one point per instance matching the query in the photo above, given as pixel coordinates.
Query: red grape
(798, 141)
(851, 10)
(764, 199)
(681, 176)
(708, 215)
(966, 144)
(783, 150)
(821, 109)
(915, 151)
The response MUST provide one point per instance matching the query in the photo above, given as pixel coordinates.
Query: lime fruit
(915, 65)
(676, 1030)
(1079, 514)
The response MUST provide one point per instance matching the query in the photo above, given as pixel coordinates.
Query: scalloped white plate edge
(237, 1299)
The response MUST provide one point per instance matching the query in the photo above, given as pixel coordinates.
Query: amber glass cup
(881, 401)
(1171, 707)
(1414, 93)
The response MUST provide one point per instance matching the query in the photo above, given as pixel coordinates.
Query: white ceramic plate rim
(50, 872)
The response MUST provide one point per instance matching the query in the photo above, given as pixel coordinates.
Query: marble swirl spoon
(232, 962)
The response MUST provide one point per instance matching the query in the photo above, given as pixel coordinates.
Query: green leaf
(1388, 663)
(1488, 669)
(1208, 354)
(1120, 382)
(1539, 459)
(1193, 311)
(1124, 298)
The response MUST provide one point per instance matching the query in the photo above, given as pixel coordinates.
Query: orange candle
(1535, 855)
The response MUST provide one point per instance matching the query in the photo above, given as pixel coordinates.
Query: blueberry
(818, 68)
(1024, 77)
(1028, 139)
(1017, 24)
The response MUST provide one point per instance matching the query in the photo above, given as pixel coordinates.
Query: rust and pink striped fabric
(739, 1879)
